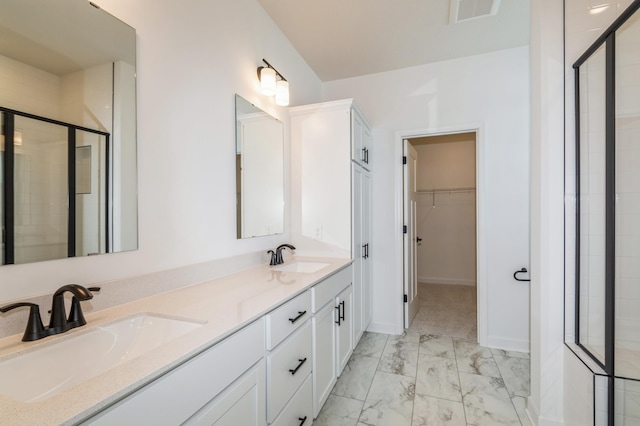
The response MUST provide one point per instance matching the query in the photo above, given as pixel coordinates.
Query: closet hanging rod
(445, 190)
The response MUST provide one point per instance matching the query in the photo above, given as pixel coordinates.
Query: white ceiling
(348, 38)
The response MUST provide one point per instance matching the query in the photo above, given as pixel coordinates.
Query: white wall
(193, 56)
(546, 403)
(489, 92)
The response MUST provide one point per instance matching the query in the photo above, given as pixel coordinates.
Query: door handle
(338, 308)
(418, 239)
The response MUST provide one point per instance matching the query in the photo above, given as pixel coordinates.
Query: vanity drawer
(299, 411)
(287, 367)
(283, 321)
(325, 291)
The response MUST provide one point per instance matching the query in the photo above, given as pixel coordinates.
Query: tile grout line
(455, 356)
(374, 375)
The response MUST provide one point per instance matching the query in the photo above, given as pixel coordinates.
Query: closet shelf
(445, 190)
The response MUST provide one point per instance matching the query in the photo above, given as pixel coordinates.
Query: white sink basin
(50, 369)
(307, 267)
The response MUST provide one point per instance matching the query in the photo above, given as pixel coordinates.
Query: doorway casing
(481, 262)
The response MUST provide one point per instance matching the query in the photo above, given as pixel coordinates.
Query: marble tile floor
(430, 376)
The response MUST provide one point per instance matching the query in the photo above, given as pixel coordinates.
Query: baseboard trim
(448, 281)
(378, 327)
(508, 344)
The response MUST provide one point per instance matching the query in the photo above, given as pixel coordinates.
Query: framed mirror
(259, 171)
(68, 179)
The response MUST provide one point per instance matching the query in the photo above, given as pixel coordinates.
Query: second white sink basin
(48, 370)
(307, 267)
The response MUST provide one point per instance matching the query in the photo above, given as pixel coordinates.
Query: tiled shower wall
(592, 202)
(627, 333)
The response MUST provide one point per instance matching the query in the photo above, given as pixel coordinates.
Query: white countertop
(226, 304)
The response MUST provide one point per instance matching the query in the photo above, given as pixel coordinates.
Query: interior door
(410, 237)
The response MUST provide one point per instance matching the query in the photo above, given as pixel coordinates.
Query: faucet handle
(35, 330)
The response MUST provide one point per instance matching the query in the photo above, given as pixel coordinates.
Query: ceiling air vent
(465, 10)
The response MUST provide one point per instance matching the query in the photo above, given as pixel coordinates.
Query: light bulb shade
(268, 81)
(282, 92)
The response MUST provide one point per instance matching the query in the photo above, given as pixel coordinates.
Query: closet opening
(440, 234)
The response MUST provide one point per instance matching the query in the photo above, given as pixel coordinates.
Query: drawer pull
(300, 315)
(302, 420)
(342, 316)
(295, 370)
(338, 308)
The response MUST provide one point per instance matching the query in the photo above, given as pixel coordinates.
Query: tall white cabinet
(331, 192)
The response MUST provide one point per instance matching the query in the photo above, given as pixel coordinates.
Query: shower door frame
(607, 39)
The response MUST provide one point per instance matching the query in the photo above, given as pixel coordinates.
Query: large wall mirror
(259, 171)
(68, 179)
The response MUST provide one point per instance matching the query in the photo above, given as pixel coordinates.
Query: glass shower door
(591, 207)
(40, 190)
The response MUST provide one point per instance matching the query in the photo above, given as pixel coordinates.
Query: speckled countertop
(226, 304)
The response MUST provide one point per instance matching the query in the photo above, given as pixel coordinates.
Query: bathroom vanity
(262, 346)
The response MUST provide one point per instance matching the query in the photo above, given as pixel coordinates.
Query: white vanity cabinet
(332, 333)
(225, 385)
(331, 146)
(290, 362)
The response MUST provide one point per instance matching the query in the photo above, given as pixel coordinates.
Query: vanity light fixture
(270, 85)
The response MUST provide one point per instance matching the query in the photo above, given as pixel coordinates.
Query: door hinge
(404, 229)
(404, 160)
(406, 299)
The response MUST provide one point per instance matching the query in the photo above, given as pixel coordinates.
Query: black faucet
(58, 322)
(279, 259)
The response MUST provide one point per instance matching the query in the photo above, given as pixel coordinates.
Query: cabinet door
(324, 355)
(344, 305)
(361, 140)
(367, 297)
(243, 403)
(358, 251)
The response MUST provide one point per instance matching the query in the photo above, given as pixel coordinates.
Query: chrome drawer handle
(302, 420)
(300, 315)
(295, 370)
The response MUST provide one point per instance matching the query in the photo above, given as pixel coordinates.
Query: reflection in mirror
(259, 171)
(68, 184)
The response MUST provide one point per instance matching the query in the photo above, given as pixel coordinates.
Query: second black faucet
(276, 258)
